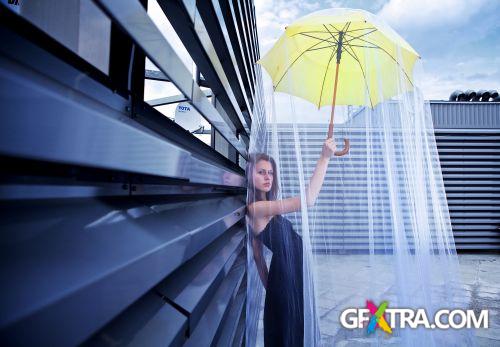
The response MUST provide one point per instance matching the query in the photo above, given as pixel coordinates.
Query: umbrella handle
(346, 143)
(345, 150)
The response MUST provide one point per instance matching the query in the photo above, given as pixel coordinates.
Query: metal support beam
(134, 20)
(214, 21)
(173, 99)
(185, 19)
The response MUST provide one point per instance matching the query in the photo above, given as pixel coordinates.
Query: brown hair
(253, 159)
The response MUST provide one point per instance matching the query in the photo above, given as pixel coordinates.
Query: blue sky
(459, 41)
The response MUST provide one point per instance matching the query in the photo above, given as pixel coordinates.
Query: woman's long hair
(253, 159)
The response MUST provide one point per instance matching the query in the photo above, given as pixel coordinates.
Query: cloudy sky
(459, 40)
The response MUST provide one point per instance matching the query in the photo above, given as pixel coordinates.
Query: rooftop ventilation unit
(471, 95)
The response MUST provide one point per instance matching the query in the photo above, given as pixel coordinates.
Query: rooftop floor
(480, 277)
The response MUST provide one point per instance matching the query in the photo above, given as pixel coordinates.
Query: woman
(284, 304)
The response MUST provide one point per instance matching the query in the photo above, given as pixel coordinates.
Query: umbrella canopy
(303, 61)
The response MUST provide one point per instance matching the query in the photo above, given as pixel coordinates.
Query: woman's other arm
(258, 256)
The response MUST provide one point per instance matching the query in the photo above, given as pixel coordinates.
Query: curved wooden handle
(345, 150)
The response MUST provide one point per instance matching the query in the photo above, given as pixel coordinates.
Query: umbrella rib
(324, 32)
(352, 38)
(347, 27)
(333, 26)
(331, 34)
(357, 37)
(355, 57)
(319, 38)
(368, 28)
(319, 48)
(309, 32)
(351, 45)
(377, 46)
(324, 77)
(344, 28)
(289, 67)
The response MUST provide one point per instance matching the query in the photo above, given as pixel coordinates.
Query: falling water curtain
(379, 229)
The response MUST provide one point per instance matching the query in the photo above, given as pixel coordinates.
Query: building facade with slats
(120, 224)
(468, 142)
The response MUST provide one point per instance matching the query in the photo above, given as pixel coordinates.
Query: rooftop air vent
(471, 95)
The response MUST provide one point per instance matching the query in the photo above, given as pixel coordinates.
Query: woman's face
(263, 176)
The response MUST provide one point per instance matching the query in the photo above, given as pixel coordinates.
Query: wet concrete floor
(349, 280)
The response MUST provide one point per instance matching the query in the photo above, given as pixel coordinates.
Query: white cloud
(274, 16)
(289, 13)
(430, 13)
(457, 39)
(441, 79)
(311, 5)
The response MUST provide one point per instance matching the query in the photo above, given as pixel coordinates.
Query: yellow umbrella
(363, 47)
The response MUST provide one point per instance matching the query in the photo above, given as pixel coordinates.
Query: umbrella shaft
(332, 114)
(339, 54)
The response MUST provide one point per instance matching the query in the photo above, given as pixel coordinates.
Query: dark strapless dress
(284, 303)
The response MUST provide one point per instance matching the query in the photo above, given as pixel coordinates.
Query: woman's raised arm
(319, 173)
